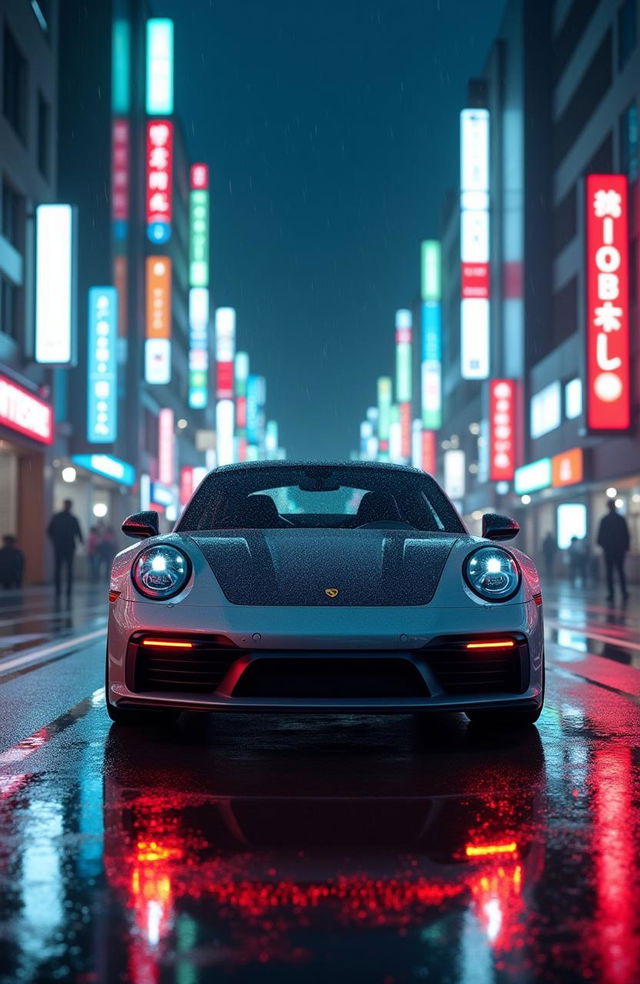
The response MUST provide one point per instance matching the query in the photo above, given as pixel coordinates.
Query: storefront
(553, 496)
(26, 432)
(100, 488)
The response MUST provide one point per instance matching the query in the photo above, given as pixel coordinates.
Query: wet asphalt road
(279, 849)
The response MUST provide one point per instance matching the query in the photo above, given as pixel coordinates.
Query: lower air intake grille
(335, 676)
(197, 670)
(478, 671)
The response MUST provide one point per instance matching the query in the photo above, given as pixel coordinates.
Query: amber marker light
(498, 644)
(488, 850)
(167, 644)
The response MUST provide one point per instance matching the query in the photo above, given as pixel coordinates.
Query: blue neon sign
(102, 390)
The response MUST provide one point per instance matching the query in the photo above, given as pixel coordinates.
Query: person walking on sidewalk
(613, 537)
(64, 532)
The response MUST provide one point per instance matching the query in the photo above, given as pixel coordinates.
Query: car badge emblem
(332, 592)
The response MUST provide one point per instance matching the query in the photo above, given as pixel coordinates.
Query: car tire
(508, 720)
(135, 716)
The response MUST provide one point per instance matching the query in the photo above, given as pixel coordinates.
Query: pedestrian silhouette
(64, 532)
(11, 563)
(613, 537)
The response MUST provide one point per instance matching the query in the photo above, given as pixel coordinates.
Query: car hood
(305, 567)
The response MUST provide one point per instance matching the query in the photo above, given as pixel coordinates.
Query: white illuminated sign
(225, 334)
(572, 521)
(474, 321)
(56, 285)
(198, 347)
(224, 431)
(455, 473)
(159, 66)
(166, 446)
(545, 410)
(157, 360)
(573, 398)
(474, 243)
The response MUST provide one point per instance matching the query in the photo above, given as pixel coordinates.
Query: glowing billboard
(474, 243)
(157, 350)
(455, 473)
(56, 285)
(102, 382)
(502, 429)
(166, 446)
(385, 387)
(607, 259)
(225, 351)
(120, 176)
(25, 413)
(199, 226)
(159, 180)
(431, 355)
(159, 101)
(198, 347)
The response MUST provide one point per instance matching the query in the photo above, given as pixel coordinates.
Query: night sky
(331, 130)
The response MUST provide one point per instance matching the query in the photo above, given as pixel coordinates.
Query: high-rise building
(28, 167)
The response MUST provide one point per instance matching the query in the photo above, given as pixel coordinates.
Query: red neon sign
(120, 170)
(429, 456)
(608, 405)
(475, 279)
(199, 177)
(224, 389)
(186, 485)
(23, 412)
(159, 171)
(502, 429)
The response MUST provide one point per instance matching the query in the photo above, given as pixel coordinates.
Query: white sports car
(324, 587)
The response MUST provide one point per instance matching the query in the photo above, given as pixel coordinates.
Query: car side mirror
(141, 525)
(496, 527)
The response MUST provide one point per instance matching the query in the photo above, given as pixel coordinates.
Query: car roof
(287, 463)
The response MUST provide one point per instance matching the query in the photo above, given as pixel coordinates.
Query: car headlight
(160, 572)
(492, 574)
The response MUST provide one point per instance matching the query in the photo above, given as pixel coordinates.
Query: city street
(275, 848)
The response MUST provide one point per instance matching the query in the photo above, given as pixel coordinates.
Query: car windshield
(319, 496)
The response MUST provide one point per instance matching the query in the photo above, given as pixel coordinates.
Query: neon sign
(608, 403)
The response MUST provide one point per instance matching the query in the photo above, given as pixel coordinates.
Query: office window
(44, 117)
(565, 312)
(13, 216)
(14, 85)
(8, 308)
(573, 398)
(627, 31)
(595, 82)
(565, 221)
(571, 33)
(629, 142)
(545, 410)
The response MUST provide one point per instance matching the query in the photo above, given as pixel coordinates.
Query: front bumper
(269, 636)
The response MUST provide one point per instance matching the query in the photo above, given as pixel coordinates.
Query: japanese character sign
(607, 302)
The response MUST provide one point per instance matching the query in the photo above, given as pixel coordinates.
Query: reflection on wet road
(261, 848)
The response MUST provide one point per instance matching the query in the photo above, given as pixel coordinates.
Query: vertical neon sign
(608, 401)
(474, 243)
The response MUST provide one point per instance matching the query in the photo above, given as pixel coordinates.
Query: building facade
(560, 85)
(28, 173)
